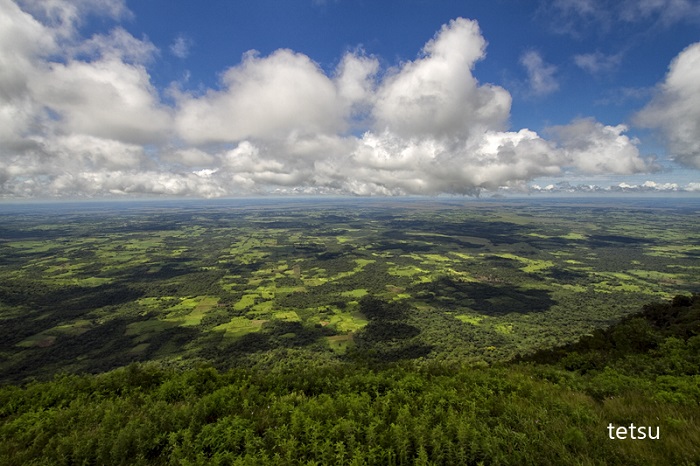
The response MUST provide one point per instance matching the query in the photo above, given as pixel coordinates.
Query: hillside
(553, 407)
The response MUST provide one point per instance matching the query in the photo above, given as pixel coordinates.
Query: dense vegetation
(349, 332)
(644, 370)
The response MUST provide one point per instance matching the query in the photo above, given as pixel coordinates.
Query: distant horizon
(321, 200)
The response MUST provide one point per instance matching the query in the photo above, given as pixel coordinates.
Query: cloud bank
(80, 117)
(646, 187)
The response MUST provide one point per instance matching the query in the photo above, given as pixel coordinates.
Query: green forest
(552, 407)
(350, 331)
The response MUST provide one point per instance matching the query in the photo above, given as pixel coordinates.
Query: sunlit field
(228, 282)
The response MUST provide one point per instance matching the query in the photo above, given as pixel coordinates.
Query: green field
(89, 289)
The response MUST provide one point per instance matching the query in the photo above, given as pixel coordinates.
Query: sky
(223, 98)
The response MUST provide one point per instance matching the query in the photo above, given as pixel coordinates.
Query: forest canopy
(553, 408)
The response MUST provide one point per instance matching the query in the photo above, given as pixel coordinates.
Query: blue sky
(102, 98)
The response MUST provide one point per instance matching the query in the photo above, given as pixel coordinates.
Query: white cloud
(622, 187)
(54, 164)
(263, 97)
(63, 117)
(387, 163)
(117, 45)
(437, 95)
(64, 16)
(77, 152)
(181, 46)
(540, 75)
(594, 148)
(84, 119)
(89, 184)
(355, 82)
(189, 157)
(23, 42)
(675, 109)
(106, 98)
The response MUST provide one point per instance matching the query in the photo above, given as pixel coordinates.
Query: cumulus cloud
(92, 108)
(106, 98)
(389, 164)
(81, 117)
(594, 148)
(355, 83)
(541, 79)
(675, 109)
(263, 97)
(22, 42)
(437, 94)
(101, 88)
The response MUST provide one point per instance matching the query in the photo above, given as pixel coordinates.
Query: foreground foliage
(552, 409)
